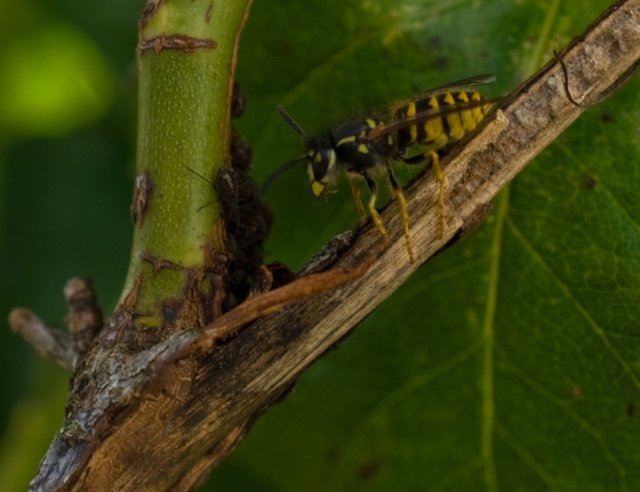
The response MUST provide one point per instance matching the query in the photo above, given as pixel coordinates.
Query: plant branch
(49, 343)
(162, 416)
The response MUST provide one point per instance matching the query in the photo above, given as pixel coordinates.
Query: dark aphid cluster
(247, 219)
(247, 222)
(238, 101)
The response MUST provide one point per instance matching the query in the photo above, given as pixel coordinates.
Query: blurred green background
(510, 361)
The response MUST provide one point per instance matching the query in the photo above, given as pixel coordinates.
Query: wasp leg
(435, 162)
(399, 194)
(375, 216)
(355, 190)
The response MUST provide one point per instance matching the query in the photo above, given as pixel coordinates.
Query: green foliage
(54, 81)
(510, 361)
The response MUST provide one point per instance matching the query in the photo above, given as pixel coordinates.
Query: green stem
(186, 60)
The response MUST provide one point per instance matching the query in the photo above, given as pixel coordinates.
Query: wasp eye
(317, 166)
(323, 163)
(310, 172)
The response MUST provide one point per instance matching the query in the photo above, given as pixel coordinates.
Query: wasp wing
(422, 117)
(458, 85)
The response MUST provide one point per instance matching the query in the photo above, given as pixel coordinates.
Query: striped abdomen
(463, 110)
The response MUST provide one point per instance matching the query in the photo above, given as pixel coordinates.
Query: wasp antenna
(279, 172)
(290, 121)
(205, 206)
(199, 175)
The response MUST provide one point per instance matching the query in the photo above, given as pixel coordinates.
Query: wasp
(417, 131)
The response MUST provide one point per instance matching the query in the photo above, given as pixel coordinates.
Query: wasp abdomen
(445, 126)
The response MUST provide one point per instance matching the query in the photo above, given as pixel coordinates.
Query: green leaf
(510, 361)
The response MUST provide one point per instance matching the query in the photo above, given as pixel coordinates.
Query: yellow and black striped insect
(413, 132)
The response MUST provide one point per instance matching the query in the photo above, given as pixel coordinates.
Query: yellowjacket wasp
(414, 132)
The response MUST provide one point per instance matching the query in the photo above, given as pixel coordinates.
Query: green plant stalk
(183, 124)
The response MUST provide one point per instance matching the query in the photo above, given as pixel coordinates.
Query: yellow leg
(355, 190)
(405, 222)
(397, 192)
(435, 162)
(375, 216)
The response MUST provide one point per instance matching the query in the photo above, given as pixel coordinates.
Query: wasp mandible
(416, 131)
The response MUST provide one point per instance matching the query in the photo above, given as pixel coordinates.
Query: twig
(48, 342)
(84, 318)
(83, 321)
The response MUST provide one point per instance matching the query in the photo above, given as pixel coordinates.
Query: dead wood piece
(48, 342)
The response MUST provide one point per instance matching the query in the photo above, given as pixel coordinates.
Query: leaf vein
(597, 330)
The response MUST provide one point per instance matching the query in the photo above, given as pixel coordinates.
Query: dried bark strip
(142, 195)
(150, 9)
(176, 42)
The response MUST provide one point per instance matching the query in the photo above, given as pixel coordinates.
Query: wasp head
(320, 158)
(321, 165)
